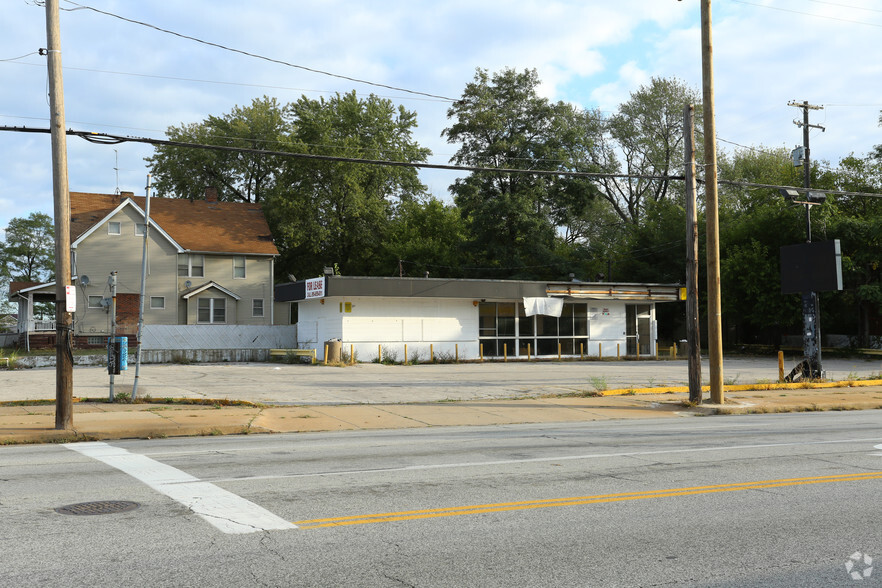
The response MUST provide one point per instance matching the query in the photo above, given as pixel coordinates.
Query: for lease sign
(315, 288)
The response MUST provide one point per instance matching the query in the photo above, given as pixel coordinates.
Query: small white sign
(315, 288)
(70, 298)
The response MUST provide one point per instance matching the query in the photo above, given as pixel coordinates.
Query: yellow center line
(410, 515)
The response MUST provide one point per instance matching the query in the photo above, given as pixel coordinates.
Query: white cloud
(592, 53)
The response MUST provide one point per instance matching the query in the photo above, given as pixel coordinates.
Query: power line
(107, 139)
(257, 56)
(776, 187)
(22, 56)
(845, 5)
(201, 81)
(870, 24)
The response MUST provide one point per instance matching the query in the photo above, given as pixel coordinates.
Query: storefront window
(506, 330)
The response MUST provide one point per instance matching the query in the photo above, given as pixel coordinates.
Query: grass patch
(599, 382)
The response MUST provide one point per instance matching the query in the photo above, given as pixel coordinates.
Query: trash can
(334, 351)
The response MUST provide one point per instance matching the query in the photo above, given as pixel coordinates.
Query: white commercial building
(470, 319)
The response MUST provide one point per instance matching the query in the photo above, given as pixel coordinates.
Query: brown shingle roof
(197, 225)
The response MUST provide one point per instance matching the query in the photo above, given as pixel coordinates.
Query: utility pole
(61, 198)
(714, 306)
(113, 356)
(143, 289)
(693, 333)
(811, 314)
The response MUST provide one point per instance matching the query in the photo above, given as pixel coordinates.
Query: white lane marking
(227, 511)
(877, 447)
(558, 458)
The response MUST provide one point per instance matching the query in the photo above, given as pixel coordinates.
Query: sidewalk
(34, 423)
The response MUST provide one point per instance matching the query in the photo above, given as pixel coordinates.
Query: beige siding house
(208, 263)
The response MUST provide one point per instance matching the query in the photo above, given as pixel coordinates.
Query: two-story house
(208, 263)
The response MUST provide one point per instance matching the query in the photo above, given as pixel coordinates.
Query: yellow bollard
(599, 350)
(457, 352)
(379, 354)
(326, 354)
(431, 352)
(352, 354)
(581, 351)
(528, 352)
(618, 351)
(405, 353)
(482, 352)
(505, 352)
(780, 366)
(558, 351)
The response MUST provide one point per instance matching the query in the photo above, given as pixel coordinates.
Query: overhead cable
(113, 139)
(263, 57)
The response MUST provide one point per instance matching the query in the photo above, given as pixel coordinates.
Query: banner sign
(315, 288)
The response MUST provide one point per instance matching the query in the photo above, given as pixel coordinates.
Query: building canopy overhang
(349, 286)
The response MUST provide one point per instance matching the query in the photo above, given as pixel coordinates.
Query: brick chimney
(210, 194)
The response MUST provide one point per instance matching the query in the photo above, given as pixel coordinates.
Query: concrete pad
(299, 420)
(364, 416)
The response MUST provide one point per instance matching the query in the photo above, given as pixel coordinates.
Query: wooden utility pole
(693, 333)
(714, 306)
(61, 196)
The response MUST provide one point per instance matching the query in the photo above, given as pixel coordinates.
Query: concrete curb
(34, 423)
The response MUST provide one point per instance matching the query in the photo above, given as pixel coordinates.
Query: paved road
(373, 383)
(763, 500)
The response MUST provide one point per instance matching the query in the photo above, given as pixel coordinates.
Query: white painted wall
(368, 322)
(448, 325)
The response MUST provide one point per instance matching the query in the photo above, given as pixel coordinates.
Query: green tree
(238, 176)
(327, 212)
(424, 236)
(512, 218)
(644, 138)
(28, 250)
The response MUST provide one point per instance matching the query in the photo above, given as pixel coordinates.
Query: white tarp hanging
(546, 306)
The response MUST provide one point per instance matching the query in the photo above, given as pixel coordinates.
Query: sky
(129, 79)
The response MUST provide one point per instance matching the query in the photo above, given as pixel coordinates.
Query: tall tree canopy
(339, 212)
(512, 218)
(238, 176)
(28, 251)
(644, 138)
(320, 212)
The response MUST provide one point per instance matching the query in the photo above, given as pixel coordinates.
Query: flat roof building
(376, 317)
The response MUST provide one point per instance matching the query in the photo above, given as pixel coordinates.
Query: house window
(191, 266)
(257, 307)
(114, 228)
(239, 267)
(95, 301)
(157, 302)
(139, 229)
(211, 310)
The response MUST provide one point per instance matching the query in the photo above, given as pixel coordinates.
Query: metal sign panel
(811, 267)
(315, 288)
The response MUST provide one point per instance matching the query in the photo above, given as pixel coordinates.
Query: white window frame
(89, 301)
(237, 258)
(139, 229)
(190, 257)
(254, 303)
(212, 308)
(111, 225)
(161, 299)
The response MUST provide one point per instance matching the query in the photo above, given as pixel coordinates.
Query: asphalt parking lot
(384, 384)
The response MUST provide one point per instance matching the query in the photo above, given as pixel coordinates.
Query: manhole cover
(98, 508)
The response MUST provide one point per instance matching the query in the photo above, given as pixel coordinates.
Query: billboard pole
(811, 315)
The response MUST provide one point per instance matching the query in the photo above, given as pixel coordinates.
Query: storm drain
(99, 507)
